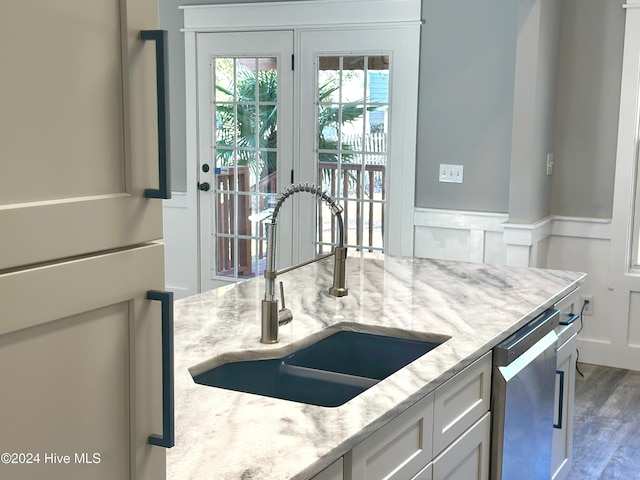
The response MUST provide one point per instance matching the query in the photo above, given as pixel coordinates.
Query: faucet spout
(339, 289)
(272, 317)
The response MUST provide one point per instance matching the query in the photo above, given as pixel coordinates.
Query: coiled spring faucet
(272, 317)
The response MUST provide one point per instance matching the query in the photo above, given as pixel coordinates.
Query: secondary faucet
(272, 317)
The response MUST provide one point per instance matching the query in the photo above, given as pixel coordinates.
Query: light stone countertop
(227, 435)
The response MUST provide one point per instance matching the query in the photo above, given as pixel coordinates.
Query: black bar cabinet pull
(167, 438)
(162, 89)
(560, 399)
(572, 317)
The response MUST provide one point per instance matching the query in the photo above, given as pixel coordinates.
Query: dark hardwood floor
(606, 442)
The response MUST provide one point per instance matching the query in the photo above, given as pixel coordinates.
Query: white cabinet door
(399, 450)
(78, 128)
(468, 457)
(80, 368)
(332, 472)
(461, 401)
(425, 474)
(563, 433)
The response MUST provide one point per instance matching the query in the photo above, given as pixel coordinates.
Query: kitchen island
(223, 435)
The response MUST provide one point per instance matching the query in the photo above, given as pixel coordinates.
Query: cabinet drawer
(565, 334)
(425, 474)
(399, 450)
(332, 472)
(468, 457)
(568, 307)
(569, 303)
(461, 401)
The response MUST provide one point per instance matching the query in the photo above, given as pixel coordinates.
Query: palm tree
(329, 117)
(236, 122)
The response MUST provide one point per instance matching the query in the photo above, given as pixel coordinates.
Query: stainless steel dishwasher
(522, 402)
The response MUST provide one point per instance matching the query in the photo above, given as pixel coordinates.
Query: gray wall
(467, 65)
(466, 106)
(171, 19)
(587, 108)
(536, 74)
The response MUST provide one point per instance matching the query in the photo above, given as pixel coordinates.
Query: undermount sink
(328, 373)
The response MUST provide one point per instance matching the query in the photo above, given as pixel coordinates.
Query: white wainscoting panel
(592, 257)
(611, 336)
(527, 244)
(459, 235)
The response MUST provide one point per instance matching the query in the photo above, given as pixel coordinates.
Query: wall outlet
(450, 173)
(589, 307)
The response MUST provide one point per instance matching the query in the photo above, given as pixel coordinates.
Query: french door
(245, 100)
(358, 97)
(344, 120)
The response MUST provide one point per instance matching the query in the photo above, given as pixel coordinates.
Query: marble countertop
(227, 435)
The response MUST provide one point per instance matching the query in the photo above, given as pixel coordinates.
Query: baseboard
(608, 355)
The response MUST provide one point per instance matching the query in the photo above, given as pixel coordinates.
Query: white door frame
(624, 278)
(309, 15)
(278, 44)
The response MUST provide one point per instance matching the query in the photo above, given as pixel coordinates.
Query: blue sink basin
(328, 373)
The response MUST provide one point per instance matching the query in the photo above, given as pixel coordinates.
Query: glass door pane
(353, 123)
(245, 126)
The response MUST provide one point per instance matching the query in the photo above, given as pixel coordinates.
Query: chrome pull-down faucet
(272, 317)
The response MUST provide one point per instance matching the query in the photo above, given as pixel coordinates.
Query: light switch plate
(450, 173)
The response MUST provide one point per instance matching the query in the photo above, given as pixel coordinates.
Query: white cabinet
(561, 456)
(467, 458)
(451, 424)
(80, 343)
(563, 431)
(332, 472)
(399, 450)
(460, 401)
(425, 474)
(78, 127)
(80, 350)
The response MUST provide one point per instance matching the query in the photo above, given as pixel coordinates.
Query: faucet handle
(284, 314)
(282, 295)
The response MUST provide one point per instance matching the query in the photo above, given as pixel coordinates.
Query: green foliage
(329, 119)
(236, 122)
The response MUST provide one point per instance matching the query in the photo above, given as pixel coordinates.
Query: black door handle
(204, 186)
(560, 399)
(162, 92)
(167, 439)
